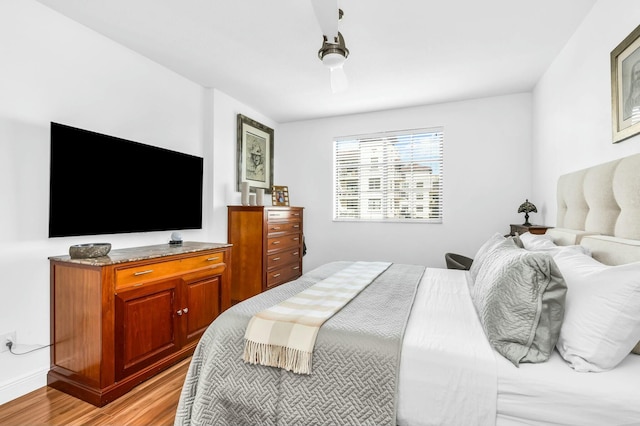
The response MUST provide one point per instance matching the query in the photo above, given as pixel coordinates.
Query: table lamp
(527, 208)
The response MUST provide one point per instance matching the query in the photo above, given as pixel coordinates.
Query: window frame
(403, 181)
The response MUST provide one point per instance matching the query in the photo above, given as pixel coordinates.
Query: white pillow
(537, 242)
(602, 311)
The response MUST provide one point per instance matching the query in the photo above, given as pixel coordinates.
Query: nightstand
(534, 229)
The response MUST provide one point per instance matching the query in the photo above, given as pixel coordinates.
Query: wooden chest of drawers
(267, 247)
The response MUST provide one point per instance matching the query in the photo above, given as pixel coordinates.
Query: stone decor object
(84, 251)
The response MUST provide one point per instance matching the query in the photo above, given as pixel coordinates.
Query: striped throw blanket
(284, 335)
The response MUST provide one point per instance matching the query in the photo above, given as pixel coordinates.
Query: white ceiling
(403, 52)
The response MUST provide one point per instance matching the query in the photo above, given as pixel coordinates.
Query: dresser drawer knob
(296, 267)
(185, 310)
(275, 243)
(179, 312)
(296, 239)
(276, 275)
(148, 271)
(275, 228)
(275, 259)
(211, 259)
(296, 226)
(295, 253)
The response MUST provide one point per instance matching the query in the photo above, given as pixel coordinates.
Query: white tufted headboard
(603, 199)
(599, 207)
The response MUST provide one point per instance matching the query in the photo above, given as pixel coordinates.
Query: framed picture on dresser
(625, 87)
(280, 196)
(254, 154)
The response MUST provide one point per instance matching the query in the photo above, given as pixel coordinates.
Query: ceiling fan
(333, 52)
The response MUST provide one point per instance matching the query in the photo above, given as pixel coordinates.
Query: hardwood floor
(153, 402)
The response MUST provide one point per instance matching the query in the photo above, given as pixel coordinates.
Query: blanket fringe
(277, 356)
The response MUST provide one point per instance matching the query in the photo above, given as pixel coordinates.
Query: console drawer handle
(148, 271)
(275, 259)
(211, 259)
(275, 228)
(275, 242)
(276, 275)
(296, 267)
(296, 239)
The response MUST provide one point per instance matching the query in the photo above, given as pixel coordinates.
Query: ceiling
(403, 52)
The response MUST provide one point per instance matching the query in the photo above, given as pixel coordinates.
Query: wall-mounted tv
(101, 184)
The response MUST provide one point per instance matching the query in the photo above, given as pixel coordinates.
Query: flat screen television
(101, 184)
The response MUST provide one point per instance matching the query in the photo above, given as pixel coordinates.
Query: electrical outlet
(4, 338)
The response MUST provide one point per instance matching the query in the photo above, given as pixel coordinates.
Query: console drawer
(137, 275)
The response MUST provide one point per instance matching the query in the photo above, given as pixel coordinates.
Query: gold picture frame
(625, 87)
(280, 195)
(254, 154)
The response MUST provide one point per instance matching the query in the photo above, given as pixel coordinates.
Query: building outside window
(395, 176)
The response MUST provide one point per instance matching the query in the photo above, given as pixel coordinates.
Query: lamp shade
(526, 208)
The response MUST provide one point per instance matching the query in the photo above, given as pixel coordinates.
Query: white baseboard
(22, 385)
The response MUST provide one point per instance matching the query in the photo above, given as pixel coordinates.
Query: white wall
(225, 110)
(55, 70)
(572, 103)
(487, 174)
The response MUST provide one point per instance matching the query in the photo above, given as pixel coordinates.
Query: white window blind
(395, 176)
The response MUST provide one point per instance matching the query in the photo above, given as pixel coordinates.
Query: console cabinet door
(146, 325)
(201, 305)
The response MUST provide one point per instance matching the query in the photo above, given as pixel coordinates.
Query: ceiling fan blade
(339, 82)
(327, 14)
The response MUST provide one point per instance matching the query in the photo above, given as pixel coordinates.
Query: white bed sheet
(447, 367)
(449, 374)
(552, 393)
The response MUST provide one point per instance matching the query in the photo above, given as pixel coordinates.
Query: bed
(540, 331)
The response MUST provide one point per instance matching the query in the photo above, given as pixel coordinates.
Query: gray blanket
(355, 361)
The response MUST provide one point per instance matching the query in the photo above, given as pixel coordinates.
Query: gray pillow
(519, 296)
(478, 259)
(516, 239)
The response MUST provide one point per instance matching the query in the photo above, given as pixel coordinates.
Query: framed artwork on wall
(280, 196)
(254, 154)
(625, 87)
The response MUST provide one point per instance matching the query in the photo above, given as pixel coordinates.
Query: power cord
(10, 346)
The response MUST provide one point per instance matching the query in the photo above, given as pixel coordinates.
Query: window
(395, 176)
(375, 204)
(374, 183)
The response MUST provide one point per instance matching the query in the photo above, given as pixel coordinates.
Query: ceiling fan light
(333, 60)
(333, 54)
